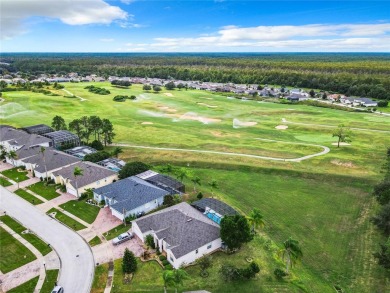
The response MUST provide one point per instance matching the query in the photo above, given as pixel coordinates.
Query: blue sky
(194, 26)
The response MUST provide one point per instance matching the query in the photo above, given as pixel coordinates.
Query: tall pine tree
(129, 262)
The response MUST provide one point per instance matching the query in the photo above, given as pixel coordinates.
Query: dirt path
(325, 151)
(69, 93)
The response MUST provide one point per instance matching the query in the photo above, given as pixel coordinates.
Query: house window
(209, 246)
(196, 251)
(171, 258)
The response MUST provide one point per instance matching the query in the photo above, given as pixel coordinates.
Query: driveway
(77, 262)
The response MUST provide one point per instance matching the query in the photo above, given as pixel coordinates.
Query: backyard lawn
(28, 196)
(15, 175)
(48, 192)
(27, 287)
(68, 221)
(30, 237)
(114, 232)
(95, 241)
(82, 210)
(4, 182)
(49, 283)
(13, 253)
(100, 279)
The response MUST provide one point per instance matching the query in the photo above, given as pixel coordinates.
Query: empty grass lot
(100, 279)
(68, 221)
(13, 253)
(32, 238)
(50, 279)
(15, 175)
(114, 232)
(4, 182)
(47, 192)
(27, 287)
(28, 196)
(82, 210)
(94, 241)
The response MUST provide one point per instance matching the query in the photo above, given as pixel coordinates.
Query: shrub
(165, 262)
(168, 267)
(131, 169)
(102, 202)
(383, 103)
(279, 274)
(63, 188)
(97, 157)
(97, 145)
(199, 195)
(150, 241)
(146, 87)
(162, 257)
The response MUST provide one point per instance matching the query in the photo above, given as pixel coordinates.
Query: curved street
(77, 262)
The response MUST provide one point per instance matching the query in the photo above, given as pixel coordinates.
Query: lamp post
(44, 266)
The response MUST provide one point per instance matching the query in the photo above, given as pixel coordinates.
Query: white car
(122, 238)
(58, 289)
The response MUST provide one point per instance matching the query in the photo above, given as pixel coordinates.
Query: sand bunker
(168, 94)
(207, 105)
(238, 124)
(151, 113)
(167, 109)
(341, 143)
(147, 123)
(194, 117)
(281, 127)
(343, 164)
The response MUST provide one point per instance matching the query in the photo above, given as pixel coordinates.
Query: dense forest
(359, 74)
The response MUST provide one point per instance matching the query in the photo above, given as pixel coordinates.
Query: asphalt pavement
(77, 262)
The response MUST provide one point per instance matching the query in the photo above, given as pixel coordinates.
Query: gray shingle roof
(214, 204)
(29, 140)
(91, 173)
(54, 160)
(182, 227)
(130, 193)
(8, 133)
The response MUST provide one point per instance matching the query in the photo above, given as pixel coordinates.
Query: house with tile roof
(183, 232)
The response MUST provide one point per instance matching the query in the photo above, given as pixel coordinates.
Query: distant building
(113, 164)
(163, 181)
(80, 151)
(38, 129)
(214, 209)
(63, 139)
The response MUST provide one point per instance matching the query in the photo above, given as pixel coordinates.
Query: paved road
(325, 151)
(76, 273)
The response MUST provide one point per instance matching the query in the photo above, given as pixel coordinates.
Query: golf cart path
(332, 126)
(77, 261)
(325, 151)
(69, 93)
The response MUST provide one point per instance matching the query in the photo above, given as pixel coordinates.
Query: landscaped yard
(68, 221)
(94, 241)
(46, 191)
(111, 234)
(16, 174)
(30, 237)
(27, 287)
(4, 182)
(13, 253)
(28, 196)
(100, 279)
(49, 283)
(82, 210)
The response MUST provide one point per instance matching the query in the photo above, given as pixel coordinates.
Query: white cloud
(313, 37)
(127, 2)
(75, 12)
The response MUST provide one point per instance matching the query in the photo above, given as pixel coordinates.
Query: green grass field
(68, 221)
(4, 182)
(15, 174)
(82, 210)
(323, 202)
(28, 196)
(32, 238)
(13, 253)
(27, 287)
(48, 192)
(94, 241)
(100, 279)
(49, 283)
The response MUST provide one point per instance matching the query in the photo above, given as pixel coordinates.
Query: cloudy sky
(194, 26)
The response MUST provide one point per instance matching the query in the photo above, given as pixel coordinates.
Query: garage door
(71, 191)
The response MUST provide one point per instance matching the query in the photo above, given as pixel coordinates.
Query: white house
(184, 233)
(130, 196)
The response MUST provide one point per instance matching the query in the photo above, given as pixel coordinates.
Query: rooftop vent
(189, 220)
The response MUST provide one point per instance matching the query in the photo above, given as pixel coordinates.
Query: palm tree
(196, 181)
(77, 172)
(42, 151)
(13, 156)
(179, 276)
(3, 152)
(291, 252)
(182, 174)
(116, 151)
(169, 279)
(255, 218)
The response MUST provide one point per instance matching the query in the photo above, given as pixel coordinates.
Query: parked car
(122, 238)
(58, 289)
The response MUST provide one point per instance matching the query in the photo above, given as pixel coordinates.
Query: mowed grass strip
(13, 253)
(28, 196)
(46, 191)
(50, 280)
(27, 287)
(15, 175)
(4, 182)
(32, 238)
(94, 241)
(114, 232)
(82, 210)
(68, 221)
(100, 278)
